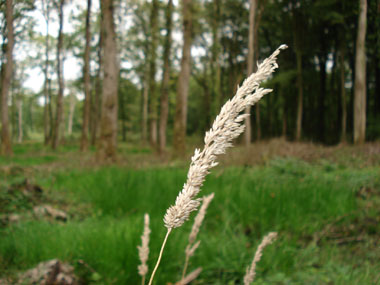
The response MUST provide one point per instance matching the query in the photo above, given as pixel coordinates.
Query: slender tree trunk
(123, 116)
(19, 111)
(144, 127)
(50, 109)
(179, 140)
(108, 122)
(377, 84)
(47, 122)
(206, 102)
(98, 91)
(250, 64)
(343, 95)
(377, 63)
(298, 50)
(322, 95)
(360, 77)
(13, 111)
(165, 80)
(87, 83)
(152, 74)
(300, 95)
(6, 147)
(216, 95)
(59, 109)
(145, 99)
(71, 115)
(260, 12)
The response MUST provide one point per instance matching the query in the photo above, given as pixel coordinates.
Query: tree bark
(47, 119)
(343, 95)
(59, 109)
(165, 80)
(87, 83)
(108, 122)
(322, 94)
(250, 64)
(19, 120)
(96, 107)
(152, 74)
(145, 91)
(300, 95)
(144, 127)
(260, 12)
(71, 115)
(6, 147)
(50, 109)
(216, 95)
(298, 52)
(179, 140)
(360, 77)
(13, 108)
(123, 115)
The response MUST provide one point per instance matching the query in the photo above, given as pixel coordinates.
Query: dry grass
(261, 152)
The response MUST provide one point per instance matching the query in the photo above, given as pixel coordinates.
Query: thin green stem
(160, 256)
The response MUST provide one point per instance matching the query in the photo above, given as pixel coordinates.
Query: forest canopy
(157, 72)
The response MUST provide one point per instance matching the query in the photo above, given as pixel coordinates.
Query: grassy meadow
(326, 212)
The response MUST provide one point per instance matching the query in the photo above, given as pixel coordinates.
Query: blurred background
(103, 102)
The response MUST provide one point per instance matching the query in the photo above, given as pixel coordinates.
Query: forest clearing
(323, 203)
(190, 142)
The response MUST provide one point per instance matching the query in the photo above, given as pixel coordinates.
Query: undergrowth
(292, 197)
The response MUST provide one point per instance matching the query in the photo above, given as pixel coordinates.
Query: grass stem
(185, 266)
(160, 256)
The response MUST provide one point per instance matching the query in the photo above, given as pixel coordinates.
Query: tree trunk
(59, 109)
(13, 112)
(96, 107)
(250, 64)
(144, 127)
(300, 95)
(6, 147)
(145, 99)
(343, 95)
(87, 83)
(108, 122)
(377, 84)
(256, 58)
(165, 80)
(123, 117)
(216, 95)
(322, 94)
(152, 74)
(179, 140)
(47, 122)
(19, 111)
(50, 109)
(71, 115)
(360, 77)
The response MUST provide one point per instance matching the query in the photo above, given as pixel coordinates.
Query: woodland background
(160, 97)
(103, 103)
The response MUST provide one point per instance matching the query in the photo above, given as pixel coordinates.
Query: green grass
(292, 197)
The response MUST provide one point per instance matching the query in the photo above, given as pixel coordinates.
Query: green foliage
(293, 197)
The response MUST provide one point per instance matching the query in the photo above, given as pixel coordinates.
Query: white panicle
(227, 126)
(190, 277)
(251, 271)
(199, 218)
(144, 248)
(192, 245)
